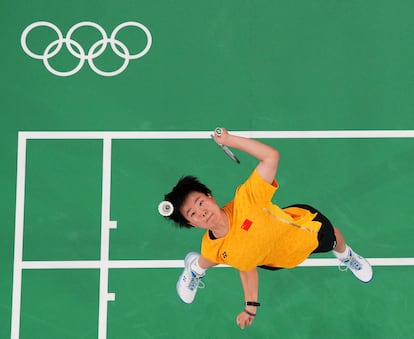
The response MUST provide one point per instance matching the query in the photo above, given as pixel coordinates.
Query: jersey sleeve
(256, 190)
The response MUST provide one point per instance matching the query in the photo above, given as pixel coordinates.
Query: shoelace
(195, 282)
(351, 262)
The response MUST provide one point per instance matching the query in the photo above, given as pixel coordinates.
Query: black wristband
(252, 303)
(249, 313)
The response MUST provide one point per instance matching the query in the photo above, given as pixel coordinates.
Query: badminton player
(250, 231)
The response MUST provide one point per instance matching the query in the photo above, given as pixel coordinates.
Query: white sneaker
(189, 281)
(358, 265)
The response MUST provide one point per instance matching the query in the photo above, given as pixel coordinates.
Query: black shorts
(326, 234)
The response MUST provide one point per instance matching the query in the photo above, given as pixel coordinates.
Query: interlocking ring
(97, 49)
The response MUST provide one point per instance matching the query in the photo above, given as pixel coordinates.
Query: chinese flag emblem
(246, 224)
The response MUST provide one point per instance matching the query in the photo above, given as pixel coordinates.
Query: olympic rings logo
(96, 50)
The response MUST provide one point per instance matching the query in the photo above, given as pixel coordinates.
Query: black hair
(184, 187)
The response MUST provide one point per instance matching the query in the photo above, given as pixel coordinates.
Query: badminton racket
(223, 147)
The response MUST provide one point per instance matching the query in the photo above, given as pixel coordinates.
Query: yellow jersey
(261, 233)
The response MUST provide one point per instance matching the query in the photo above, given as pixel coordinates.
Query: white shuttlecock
(165, 208)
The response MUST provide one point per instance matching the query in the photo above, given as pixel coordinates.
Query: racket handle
(218, 131)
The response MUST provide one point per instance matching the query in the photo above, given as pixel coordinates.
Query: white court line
(349, 134)
(106, 226)
(18, 237)
(123, 264)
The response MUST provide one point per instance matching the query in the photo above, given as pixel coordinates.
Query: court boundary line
(127, 264)
(106, 224)
(332, 134)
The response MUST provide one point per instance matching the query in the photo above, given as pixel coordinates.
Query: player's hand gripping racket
(226, 150)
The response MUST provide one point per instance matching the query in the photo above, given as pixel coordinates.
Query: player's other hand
(243, 320)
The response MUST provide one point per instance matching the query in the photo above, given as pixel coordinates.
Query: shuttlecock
(165, 208)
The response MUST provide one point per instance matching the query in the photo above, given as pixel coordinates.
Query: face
(200, 210)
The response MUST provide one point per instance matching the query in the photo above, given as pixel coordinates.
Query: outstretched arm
(250, 283)
(268, 156)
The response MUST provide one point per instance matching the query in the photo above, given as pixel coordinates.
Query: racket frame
(226, 150)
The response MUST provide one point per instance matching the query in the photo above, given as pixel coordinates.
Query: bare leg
(204, 263)
(340, 241)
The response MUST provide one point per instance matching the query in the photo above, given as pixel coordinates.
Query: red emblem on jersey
(246, 224)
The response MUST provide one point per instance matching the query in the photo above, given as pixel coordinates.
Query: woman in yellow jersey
(250, 231)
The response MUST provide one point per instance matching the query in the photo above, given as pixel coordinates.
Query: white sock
(342, 255)
(195, 267)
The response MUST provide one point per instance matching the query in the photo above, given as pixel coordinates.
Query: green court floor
(84, 253)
